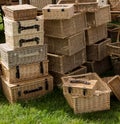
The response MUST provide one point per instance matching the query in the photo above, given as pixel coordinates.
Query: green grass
(53, 109)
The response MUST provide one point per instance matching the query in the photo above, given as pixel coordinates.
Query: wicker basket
(14, 28)
(114, 48)
(26, 40)
(98, 51)
(96, 34)
(114, 85)
(40, 3)
(63, 28)
(64, 64)
(98, 102)
(25, 72)
(116, 64)
(99, 17)
(26, 55)
(27, 90)
(56, 11)
(78, 86)
(99, 67)
(20, 12)
(57, 76)
(67, 46)
(115, 5)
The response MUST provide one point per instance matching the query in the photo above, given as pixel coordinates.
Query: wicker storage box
(67, 46)
(114, 48)
(56, 11)
(98, 102)
(96, 34)
(20, 12)
(27, 55)
(115, 5)
(40, 3)
(64, 64)
(113, 31)
(57, 76)
(27, 90)
(63, 28)
(78, 86)
(99, 17)
(98, 51)
(14, 28)
(99, 67)
(26, 40)
(25, 72)
(114, 85)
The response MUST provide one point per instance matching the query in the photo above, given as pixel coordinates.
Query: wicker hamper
(96, 34)
(15, 28)
(27, 90)
(57, 76)
(67, 46)
(64, 64)
(98, 102)
(25, 72)
(99, 17)
(98, 51)
(115, 5)
(114, 85)
(26, 55)
(99, 67)
(20, 12)
(26, 40)
(66, 27)
(114, 48)
(56, 11)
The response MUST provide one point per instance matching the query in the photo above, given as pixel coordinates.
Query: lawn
(52, 109)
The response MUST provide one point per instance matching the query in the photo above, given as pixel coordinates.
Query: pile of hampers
(24, 55)
(76, 37)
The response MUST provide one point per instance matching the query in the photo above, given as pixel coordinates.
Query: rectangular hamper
(27, 90)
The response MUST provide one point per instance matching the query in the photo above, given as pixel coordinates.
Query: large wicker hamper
(98, 102)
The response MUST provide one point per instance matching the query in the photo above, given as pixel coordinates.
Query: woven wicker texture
(67, 46)
(20, 12)
(26, 55)
(25, 72)
(98, 51)
(64, 64)
(58, 11)
(63, 28)
(98, 102)
(27, 90)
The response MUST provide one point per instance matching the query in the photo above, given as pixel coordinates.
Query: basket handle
(21, 41)
(41, 68)
(79, 81)
(33, 90)
(69, 89)
(21, 28)
(17, 72)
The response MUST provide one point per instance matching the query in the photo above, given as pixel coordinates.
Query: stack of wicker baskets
(96, 39)
(65, 36)
(24, 55)
(86, 93)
